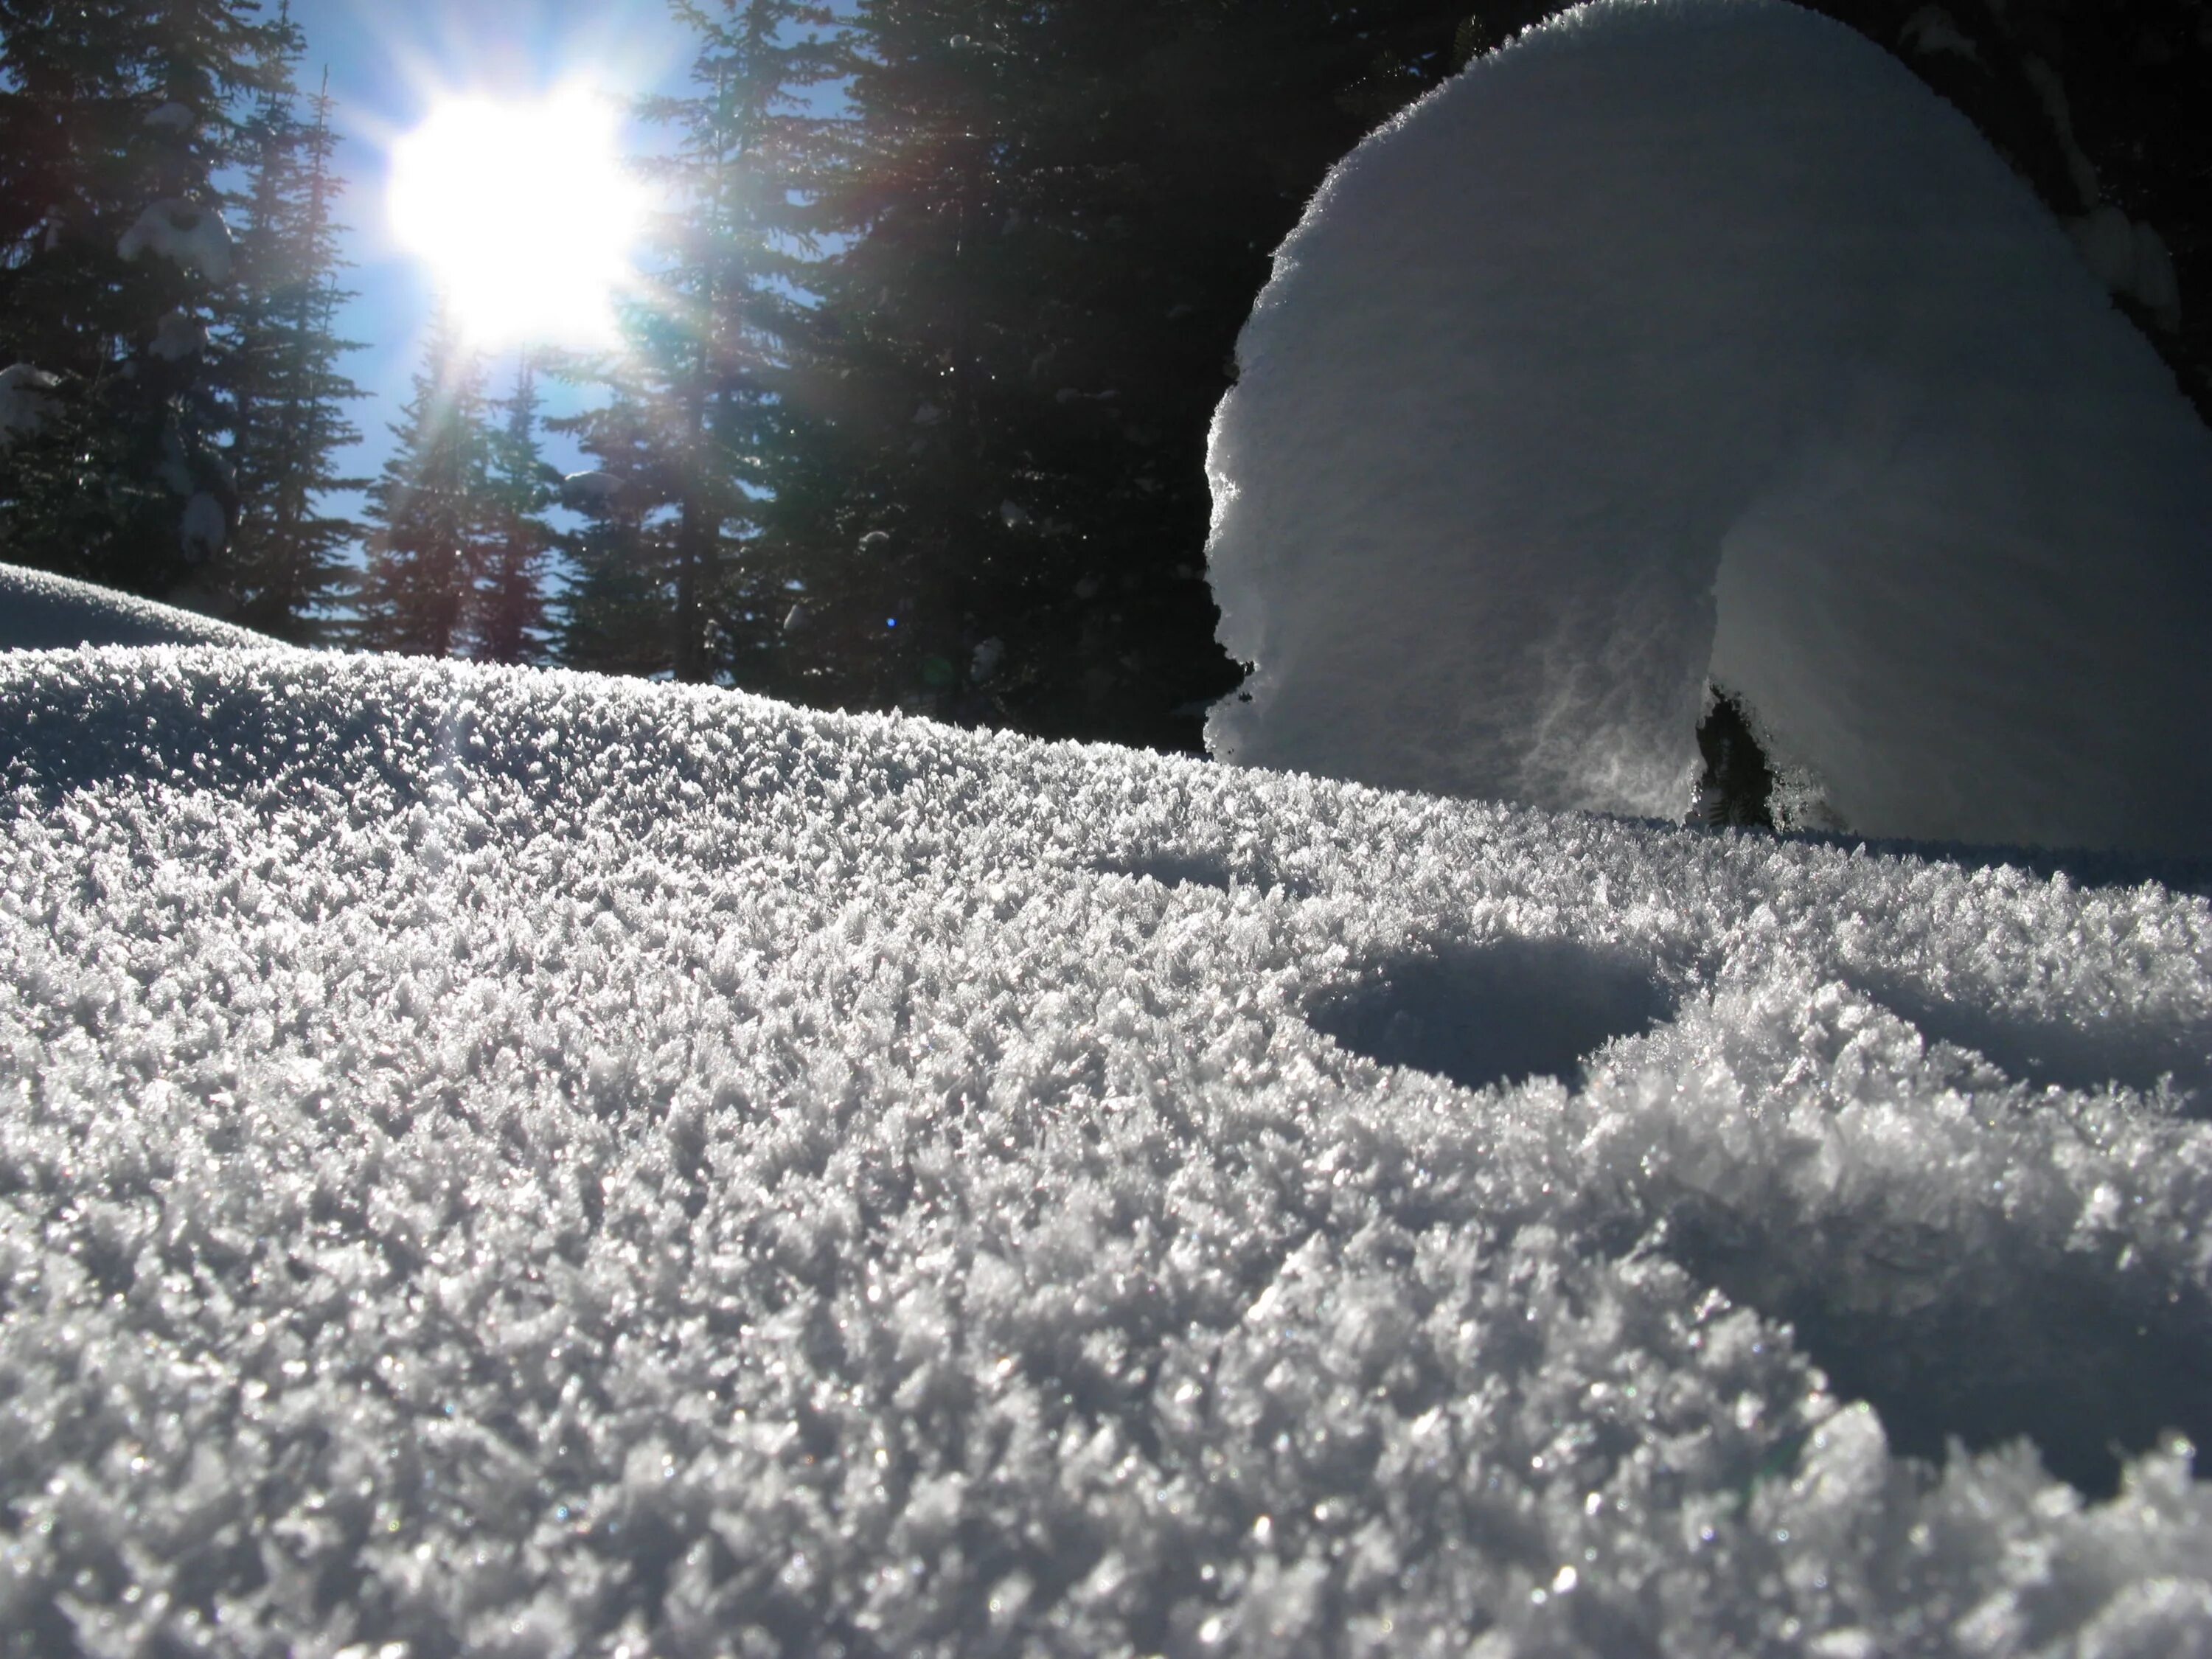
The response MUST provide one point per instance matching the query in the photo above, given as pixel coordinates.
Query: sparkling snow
(1691, 341)
(522, 1163)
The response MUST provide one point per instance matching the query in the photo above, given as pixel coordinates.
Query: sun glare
(524, 214)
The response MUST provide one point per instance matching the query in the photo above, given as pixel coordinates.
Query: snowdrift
(511, 1162)
(39, 611)
(1691, 341)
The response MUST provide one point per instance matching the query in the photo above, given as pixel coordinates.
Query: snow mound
(1692, 341)
(500, 1162)
(39, 611)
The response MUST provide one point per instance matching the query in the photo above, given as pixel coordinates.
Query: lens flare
(523, 212)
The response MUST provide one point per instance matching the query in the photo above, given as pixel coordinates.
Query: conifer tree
(615, 613)
(1056, 225)
(426, 511)
(509, 557)
(695, 412)
(285, 559)
(117, 122)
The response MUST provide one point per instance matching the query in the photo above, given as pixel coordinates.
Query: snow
(1934, 31)
(180, 335)
(39, 611)
(22, 401)
(203, 527)
(595, 492)
(1686, 342)
(2130, 260)
(194, 236)
(509, 1162)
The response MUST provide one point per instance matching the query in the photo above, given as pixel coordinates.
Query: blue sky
(388, 60)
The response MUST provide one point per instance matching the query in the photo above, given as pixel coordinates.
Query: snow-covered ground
(517, 1163)
(41, 612)
(1696, 342)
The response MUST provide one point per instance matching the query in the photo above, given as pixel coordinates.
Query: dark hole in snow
(1496, 1012)
(1737, 785)
(1951, 1342)
(1202, 869)
(2085, 1051)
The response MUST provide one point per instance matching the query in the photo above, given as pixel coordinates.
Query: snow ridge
(41, 612)
(524, 1163)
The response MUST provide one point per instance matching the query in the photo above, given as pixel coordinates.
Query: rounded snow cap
(1685, 343)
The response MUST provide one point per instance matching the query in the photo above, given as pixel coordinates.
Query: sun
(524, 214)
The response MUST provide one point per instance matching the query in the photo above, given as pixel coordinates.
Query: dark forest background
(914, 415)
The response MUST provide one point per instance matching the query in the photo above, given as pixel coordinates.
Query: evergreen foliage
(509, 557)
(1051, 230)
(285, 561)
(427, 509)
(122, 126)
(694, 415)
(117, 123)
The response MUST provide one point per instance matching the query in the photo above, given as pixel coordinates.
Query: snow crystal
(194, 236)
(23, 404)
(39, 611)
(180, 336)
(499, 1161)
(1686, 342)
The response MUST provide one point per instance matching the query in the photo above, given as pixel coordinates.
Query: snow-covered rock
(1695, 341)
(494, 1161)
(39, 611)
(192, 235)
(23, 402)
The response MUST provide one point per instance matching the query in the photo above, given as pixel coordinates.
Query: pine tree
(508, 571)
(1057, 224)
(285, 561)
(427, 509)
(695, 412)
(117, 121)
(614, 615)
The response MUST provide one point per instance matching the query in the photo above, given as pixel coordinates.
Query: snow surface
(515, 1163)
(1695, 340)
(39, 611)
